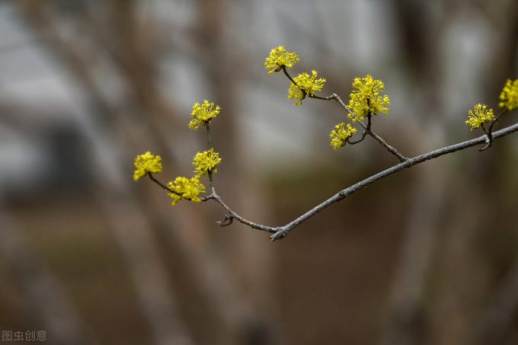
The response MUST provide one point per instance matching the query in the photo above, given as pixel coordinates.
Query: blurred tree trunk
(156, 299)
(408, 315)
(497, 322)
(477, 211)
(498, 318)
(204, 267)
(407, 320)
(44, 298)
(235, 183)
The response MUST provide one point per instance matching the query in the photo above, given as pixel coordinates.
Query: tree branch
(279, 232)
(232, 215)
(160, 184)
(489, 131)
(367, 129)
(389, 147)
(284, 230)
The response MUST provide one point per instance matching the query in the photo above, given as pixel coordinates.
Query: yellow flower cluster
(478, 115)
(186, 188)
(205, 162)
(146, 163)
(203, 113)
(279, 57)
(192, 188)
(305, 85)
(509, 95)
(339, 135)
(366, 98)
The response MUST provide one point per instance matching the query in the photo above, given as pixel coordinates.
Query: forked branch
(367, 128)
(365, 102)
(279, 232)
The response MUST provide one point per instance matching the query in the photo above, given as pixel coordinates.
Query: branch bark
(279, 232)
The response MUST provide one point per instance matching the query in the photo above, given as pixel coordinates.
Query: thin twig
(210, 145)
(367, 130)
(387, 172)
(279, 232)
(389, 147)
(162, 185)
(287, 74)
(231, 214)
(489, 131)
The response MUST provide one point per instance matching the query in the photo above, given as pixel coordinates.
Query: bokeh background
(428, 256)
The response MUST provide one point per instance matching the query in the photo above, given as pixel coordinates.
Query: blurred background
(428, 256)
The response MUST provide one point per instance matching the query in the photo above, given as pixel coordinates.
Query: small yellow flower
(186, 188)
(366, 98)
(203, 113)
(509, 95)
(205, 162)
(279, 57)
(339, 135)
(305, 85)
(478, 115)
(146, 163)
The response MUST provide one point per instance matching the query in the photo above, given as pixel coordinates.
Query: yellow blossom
(186, 188)
(339, 135)
(478, 115)
(279, 57)
(146, 163)
(366, 98)
(509, 95)
(305, 85)
(205, 162)
(203, 113)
